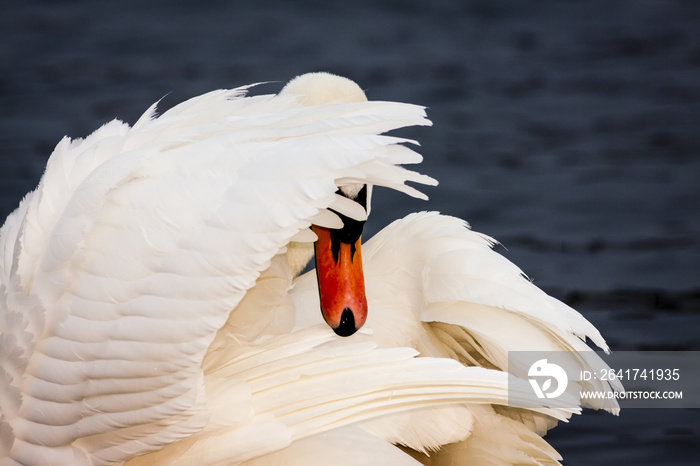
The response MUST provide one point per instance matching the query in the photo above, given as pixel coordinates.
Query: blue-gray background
(568, 130)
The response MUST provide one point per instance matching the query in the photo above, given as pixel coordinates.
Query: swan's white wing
(118, 270)
(307, 383)
(472, 297)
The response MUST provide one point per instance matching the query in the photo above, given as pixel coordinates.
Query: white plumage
(149, 304)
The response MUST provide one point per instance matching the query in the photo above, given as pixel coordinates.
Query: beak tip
(346, 327)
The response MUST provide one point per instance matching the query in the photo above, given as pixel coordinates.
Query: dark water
(567, 130)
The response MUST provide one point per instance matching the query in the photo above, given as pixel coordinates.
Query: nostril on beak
(347, 324)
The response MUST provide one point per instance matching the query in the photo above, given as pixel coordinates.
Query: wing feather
(491, 305)
(310, 383)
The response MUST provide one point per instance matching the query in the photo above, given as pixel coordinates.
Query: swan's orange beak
(341, 284)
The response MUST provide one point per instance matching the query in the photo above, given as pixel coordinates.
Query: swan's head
(324, 88)
(338, 257)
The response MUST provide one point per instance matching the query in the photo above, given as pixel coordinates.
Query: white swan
(150, 312)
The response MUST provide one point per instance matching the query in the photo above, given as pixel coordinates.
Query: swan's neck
(298, 256)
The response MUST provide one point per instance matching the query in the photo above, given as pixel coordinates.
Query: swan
(152, 309)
